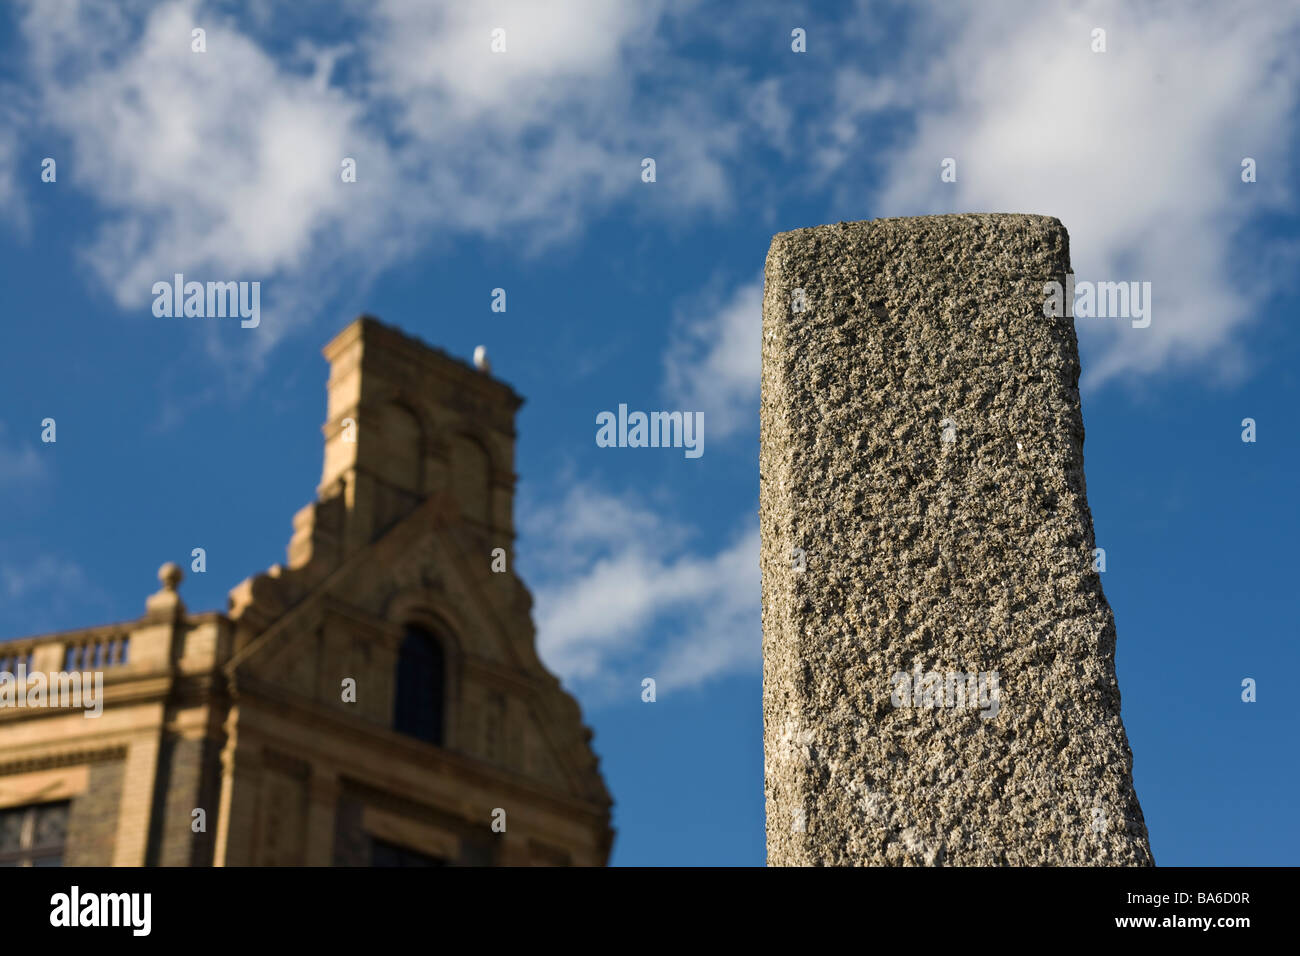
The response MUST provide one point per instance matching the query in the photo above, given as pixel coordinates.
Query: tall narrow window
(421, 686)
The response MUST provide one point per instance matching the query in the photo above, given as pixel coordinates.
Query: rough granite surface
(922, 446)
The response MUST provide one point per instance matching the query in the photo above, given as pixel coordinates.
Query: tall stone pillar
(939, 659)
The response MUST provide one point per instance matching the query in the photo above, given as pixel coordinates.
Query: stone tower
(378, 700)
(939, 658)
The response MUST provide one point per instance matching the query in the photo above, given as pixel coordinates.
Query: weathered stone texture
(971, 555)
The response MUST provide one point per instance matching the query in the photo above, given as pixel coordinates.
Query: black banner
(334, 906)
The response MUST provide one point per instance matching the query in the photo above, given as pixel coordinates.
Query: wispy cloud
(624, 589)
(714, 359)
(46, 574)
(226, 164)
(612, 574)
(20, 462)
(46, 593)
(221, 165)
(12, 206)
(1137, 150)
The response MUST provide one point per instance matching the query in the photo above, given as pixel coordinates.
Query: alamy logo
(64, 689)
(656, 430)
(1101, 300)
(215, 300)
(134, 910)
(954, 689)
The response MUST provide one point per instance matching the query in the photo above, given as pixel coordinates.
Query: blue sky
(522, 171)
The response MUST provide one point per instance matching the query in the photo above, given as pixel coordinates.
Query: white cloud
(714, 360)
(619, 576)
(45, 594)
(20, 462)
(553, 52)
(11, 202)
(726, 633)
(1135, 150)
(225, 164)
(221, 165)
(771, 114)
(45, 574)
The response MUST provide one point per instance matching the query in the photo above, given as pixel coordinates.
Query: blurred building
(376, 701)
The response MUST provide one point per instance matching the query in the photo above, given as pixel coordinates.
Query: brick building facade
(378, 700)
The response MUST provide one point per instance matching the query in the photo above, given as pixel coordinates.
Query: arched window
(421, 686)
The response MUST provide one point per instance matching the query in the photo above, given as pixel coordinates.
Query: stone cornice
(62, 758)
(462, 766)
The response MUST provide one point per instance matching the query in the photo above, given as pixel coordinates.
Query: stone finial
(481, 359)
(166, 604)
(170, 575)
